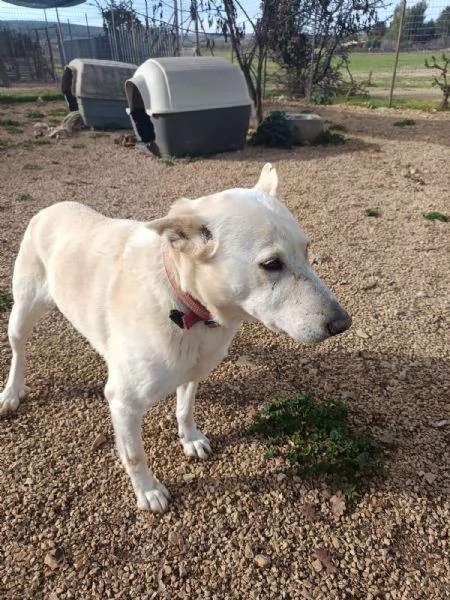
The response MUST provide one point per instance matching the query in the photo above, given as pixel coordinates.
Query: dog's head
(243, 255)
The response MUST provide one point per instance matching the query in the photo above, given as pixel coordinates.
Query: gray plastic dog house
(189, 106)
(97, 89)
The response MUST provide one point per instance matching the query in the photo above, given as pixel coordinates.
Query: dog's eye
(273, 264)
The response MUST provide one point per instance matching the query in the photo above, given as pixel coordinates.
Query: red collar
(197, 312)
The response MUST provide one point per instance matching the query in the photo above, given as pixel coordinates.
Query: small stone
(439, 424)
(280, 477)
(175, 539)
(335, 542)
(182, 571)
(262, 561)
(248, 552)
(245, 361)
(429, 477)
(189, 477)
(370, 284)
(51, 561)
(317, 565)
(361, 334)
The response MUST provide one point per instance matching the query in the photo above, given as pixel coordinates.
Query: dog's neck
(197, 312)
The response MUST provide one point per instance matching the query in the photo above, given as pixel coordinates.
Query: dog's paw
(155, 500)
(199, 447)
(10, 400)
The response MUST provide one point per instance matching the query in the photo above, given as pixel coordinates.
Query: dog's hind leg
(127, 419)
(195, 444)
(31, 301)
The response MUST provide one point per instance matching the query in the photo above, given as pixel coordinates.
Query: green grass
(58, 112)
(11, 126)
(336, 127)
(5, 144)
(24, 198)
(435, 216)
(35, 115)
(404, 123)
(16, 97)
(411, 71)
(317, 439)
(375, 102)
(384, 61)
(32, 167)
(372, 212)
(9, 123)
(6, 301)
(329, 137)
(78, 146)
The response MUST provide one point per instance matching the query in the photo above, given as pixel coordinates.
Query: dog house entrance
(142, 124)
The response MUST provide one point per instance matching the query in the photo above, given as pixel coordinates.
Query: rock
(361, 334)
(189, 477)
(370, 284)
(439, 424)
(51, 561)
(280, 477)
(182, 571)
(430, 478)
(262, 561)
(248, 552)
(245, 361)
(317, 565)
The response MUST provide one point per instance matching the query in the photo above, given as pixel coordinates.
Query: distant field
(411, 71)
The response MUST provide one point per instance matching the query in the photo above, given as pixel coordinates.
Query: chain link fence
(389, 59)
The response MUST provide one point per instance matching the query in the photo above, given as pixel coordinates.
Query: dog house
(189, 106)
(97, 89)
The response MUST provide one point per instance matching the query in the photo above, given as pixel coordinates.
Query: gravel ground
(237, 527)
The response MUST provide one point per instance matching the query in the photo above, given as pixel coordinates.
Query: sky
(77, 14)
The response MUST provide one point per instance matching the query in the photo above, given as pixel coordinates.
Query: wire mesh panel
(36, 44)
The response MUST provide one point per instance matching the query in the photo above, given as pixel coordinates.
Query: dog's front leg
(195, 444)
(150, 493)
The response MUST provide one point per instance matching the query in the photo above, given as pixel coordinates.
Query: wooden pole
(397, 51)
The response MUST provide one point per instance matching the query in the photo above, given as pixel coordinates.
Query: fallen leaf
(325, 559)
(99, 441)
(251, 412)
(309, 512)
(337, 503)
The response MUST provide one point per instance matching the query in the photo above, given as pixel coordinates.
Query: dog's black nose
(339, 325)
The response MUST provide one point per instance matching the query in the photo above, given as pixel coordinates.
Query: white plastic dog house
(189, 106)
(99, 89)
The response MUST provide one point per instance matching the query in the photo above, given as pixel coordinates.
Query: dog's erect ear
(185, 233)
(268, 180)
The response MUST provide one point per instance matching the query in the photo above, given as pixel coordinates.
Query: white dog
(161, 301)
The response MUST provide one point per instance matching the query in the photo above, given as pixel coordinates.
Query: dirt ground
(69, 527)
